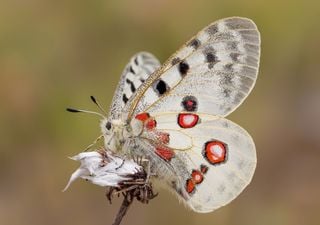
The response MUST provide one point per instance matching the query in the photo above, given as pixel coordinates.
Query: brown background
(55, 54)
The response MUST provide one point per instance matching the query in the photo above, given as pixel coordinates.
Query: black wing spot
(136, 61)
(211, 57)
(229, 67)
(124, 98)
(161, 87)
(183, 68)
(227, 93)
(195, 43)
(227, 80)
(175, 61)
(235, 56)
(132, 87)
(213, 29)
(131, 70)
(189, 103)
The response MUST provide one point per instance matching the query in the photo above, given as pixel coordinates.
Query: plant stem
(123, 210)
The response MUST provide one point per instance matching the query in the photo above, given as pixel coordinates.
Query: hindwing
(207, 163)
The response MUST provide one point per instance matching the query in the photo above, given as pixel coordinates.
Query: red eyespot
(190, 186)
(189, 103)
(151, 124)
(142, 116)
(215, 152)
(165, 153)
(164, 138)
(187, 120)
(197, 176)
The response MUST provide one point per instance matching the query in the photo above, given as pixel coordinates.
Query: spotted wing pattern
(218, 67)
(134, 75)
(206, 160)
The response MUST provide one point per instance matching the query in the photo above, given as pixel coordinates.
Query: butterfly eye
(108, 125)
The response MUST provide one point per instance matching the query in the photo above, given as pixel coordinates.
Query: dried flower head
(106, 170)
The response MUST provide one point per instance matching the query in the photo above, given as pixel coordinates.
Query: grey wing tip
(233, 23)
(241, 23)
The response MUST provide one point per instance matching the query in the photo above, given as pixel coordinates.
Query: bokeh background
(55, 54)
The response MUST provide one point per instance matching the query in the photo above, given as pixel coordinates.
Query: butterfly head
(112, 131)
(115, 132)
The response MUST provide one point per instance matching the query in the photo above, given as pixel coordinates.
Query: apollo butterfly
(174, 115)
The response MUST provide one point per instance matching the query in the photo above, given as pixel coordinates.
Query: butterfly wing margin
(139, 68)
(218, 66)
(223, 181)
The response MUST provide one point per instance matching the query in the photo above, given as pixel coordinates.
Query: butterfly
(174, 115)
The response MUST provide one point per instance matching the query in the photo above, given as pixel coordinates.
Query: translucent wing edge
(134, 101)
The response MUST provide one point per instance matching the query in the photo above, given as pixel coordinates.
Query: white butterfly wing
(206, 159)
(213, 161)
(218, 67)
(136, 72)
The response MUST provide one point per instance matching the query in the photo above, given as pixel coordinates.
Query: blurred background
(55, 54)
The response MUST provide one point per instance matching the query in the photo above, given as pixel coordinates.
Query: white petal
(103, 169)
(78, 173)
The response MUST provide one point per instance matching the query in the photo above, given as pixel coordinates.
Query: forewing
(134, 75)
(218, 68)
(213, 160)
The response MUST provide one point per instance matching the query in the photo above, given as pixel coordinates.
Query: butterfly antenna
(84, 111)
(95, 101)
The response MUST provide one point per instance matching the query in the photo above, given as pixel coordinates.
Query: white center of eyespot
(188, 119)
(216, 150)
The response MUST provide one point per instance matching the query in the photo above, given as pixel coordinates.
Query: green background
(55, 54)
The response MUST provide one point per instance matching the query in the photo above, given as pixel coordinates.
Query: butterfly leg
(140, 188)
(148, 170)
(145, 163)
(142, 191)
